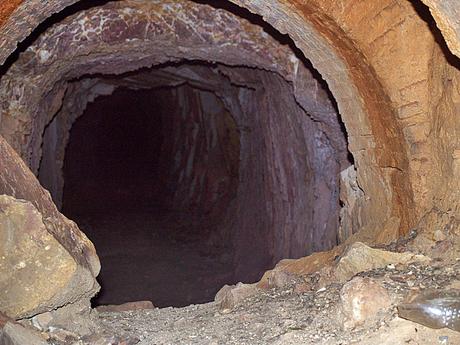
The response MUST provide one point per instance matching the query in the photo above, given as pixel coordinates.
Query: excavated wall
(386, 63)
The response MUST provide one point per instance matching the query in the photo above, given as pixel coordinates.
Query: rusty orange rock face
(6, 8)
(395, 82)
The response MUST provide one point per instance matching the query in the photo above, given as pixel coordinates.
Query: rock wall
(292, 145)
(386, 63)
(394, 92)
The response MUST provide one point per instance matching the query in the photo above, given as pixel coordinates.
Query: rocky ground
(352, 301)
(286, 316)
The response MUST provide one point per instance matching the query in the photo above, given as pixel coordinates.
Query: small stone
(15, 334)
(302, 288)
(129, 306)
(42, 321)
(439, 236)
(280, 279)
(229, 296)
(361, 300)
(360, 258)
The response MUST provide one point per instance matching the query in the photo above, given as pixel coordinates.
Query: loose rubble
(362, 310)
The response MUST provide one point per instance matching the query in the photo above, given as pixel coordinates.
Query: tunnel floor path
(157, 258)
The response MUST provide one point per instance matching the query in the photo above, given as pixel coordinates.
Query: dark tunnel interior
(123, 186)
(186, 181)
(193, 152)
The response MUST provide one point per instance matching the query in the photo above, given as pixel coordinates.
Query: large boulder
(45, 260)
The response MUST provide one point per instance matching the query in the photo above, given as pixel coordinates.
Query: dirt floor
(305, 309)
(284, 316)
(157, 256)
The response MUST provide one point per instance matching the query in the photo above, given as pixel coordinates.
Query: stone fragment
(360, 258)
(439, 236)
(129, 306)
(15, 334)
(279, 279)
(230, 296)
(74, 318)
(299, 267)
(361, 300)
(36, 272)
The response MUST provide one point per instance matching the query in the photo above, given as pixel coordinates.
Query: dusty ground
(163, 259)
(283, 316)
(302, 309)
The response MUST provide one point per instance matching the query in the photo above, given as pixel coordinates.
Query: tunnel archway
(380, 146)
(368, 113)
(292, 143)
(235, 225)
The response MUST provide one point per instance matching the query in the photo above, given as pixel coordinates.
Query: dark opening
(148, 174)
(191, 174)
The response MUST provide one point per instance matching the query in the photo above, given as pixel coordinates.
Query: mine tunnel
(199, 143)
(199, 159)
(167, 174)
(149, 176)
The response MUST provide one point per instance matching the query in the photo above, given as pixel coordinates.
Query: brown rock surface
(138, 305)
(230, 296)
(300, 267)
(361, 300)
(46, 261)
(359, 258)
(35, 269)
(18, 181)
(446, 13)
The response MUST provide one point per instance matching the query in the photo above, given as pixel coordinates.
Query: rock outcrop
(45, 261)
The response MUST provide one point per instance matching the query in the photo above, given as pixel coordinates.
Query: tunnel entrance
(191, 176)
(194, 133)
(149, 174)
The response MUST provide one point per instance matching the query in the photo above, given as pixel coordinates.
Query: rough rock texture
(365, 76)
(260, 236)
(396, 86)
(76, 318)
(351, 196)
(291, 141)
(388, 101)
(46, 261)
(34, 267)
(337, 265)
(361, 300)
(15, 334)
(446, 13)
(230, 296)
(359, 258)
(287, 316)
